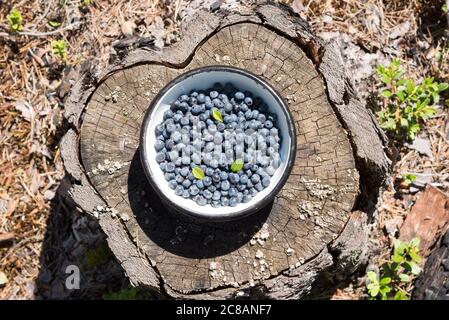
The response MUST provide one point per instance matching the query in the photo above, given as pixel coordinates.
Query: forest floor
(47, 234)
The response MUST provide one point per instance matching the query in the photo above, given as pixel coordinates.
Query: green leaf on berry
(198, 173)
(217, 115)
(237, 165)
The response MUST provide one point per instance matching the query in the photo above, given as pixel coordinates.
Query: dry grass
(30, 109)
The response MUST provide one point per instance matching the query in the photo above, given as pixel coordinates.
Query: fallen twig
(42, 34)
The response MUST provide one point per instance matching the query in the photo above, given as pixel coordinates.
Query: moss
(98, 256)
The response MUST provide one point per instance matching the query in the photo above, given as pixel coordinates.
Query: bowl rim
(232, 215)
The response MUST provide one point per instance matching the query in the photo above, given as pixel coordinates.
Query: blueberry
(268, 124)
(196, 109)
(246, 198)
(177, 117)
(186, 194)
(170, 128)
(200, 184)
(266, 181)
(214, 163)
(228, 107)
(208, 104)
(216, 178)
(185, 160)
(179, 190)
(225, 185)
(201, 201)
(169, 176)
(201, 98)
(254, 168)
(207, 180)
(183, 98)
(209, 171)
(213, 94)
(172, 184)
(224, 202)
(217, 103)
(184, 121)
(192, 101)
(241, 187)
(168, 114)
(193, 190)
(234, 178)
(248, 115)
(232, 192)
(162, 165)
(207, 194)
(212, 188)
(216, 195)
(224, 175)
(179, 179)
(249, 101)
(258, 186)
(221, 127)
(186, 183)
(159, 145)
(244, 179)
(233, 202)
(239, 96)
(159, 129)
(261, 117)
(160, 156)
(215, 204)
(255, 178)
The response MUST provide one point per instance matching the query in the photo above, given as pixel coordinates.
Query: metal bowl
(202, 79)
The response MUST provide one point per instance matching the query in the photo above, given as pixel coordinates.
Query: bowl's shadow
(180, 234)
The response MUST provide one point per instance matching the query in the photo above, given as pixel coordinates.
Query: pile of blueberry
(218, 147)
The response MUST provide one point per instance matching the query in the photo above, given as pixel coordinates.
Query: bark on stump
(277, 253)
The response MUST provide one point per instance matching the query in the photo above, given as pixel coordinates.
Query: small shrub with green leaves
(397, 274)
(15, 20)
(59, 48)
(407, 104)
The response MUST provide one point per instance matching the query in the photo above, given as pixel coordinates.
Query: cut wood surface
(275, 253)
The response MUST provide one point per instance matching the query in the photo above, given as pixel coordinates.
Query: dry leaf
(3, 279)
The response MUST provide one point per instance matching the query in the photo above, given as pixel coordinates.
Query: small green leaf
(400, 296)
(385, 281)
(397, 258)
(372, 277)
(237, 165)
(386, 94)
(404, 277)
(217, 115)
(443, 86)
(198, 173)
(54, 24)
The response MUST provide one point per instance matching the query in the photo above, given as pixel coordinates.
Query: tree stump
(276, 253)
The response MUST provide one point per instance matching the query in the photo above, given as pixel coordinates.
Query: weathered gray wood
(215, 261)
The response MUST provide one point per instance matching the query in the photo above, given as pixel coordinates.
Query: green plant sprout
(407, 104)
(408, 179)
(59, 48)
(15, 20)
(397, 273)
